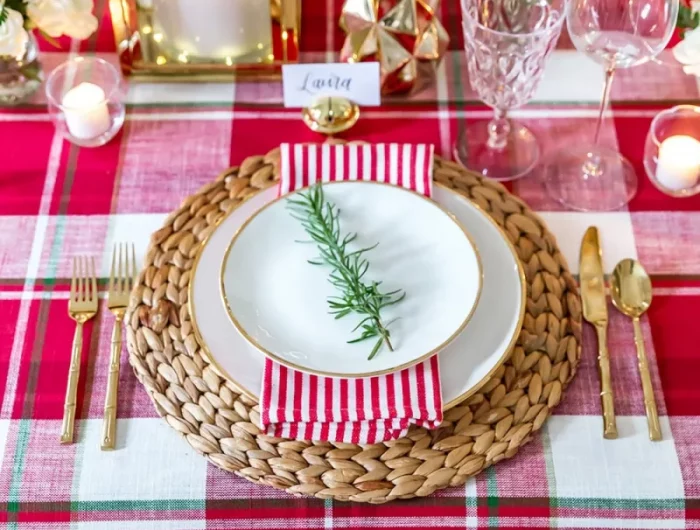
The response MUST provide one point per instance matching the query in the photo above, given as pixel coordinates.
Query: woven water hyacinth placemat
(221, 423)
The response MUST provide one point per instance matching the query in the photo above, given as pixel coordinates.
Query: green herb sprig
(321, 221)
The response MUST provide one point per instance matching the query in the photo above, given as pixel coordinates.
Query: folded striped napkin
(366, 410)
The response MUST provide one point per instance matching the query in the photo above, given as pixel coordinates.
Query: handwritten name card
(305, 83)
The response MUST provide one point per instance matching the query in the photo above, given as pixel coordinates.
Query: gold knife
(595, 311)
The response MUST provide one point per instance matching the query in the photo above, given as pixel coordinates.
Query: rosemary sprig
(321, 221)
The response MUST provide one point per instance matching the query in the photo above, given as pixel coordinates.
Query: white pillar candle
(86, 112)
(679, 162)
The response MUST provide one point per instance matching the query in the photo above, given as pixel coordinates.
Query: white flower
(687, 52)
(13, 36)
(63, 17)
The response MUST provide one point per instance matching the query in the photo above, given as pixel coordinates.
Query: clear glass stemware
(617, 34)
(507, 43)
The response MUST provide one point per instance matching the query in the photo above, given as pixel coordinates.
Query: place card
(305, 83)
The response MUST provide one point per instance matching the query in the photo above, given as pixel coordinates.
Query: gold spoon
(631, 294)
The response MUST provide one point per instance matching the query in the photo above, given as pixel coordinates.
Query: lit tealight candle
(679, 163)
(85, 109)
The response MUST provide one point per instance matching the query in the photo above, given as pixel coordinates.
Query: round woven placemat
(221, 423)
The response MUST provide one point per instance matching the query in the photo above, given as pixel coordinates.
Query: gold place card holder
(206, 38)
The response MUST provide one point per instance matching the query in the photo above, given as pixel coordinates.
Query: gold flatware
(82, 306)
(595, 311)
(631, 294)
(121, 281)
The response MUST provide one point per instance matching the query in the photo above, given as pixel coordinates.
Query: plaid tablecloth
(58, 201)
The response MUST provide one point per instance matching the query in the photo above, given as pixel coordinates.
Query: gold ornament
(397, 33)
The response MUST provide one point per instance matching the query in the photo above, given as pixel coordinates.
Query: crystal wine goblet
(507, 43)
(617, 34)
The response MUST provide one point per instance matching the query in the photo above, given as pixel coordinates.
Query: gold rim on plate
(523, 304)
(446, 406)
(408, 364)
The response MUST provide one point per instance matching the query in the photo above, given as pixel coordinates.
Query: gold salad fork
(82, 306)
(121, 281)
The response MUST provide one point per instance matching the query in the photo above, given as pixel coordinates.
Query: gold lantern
(398, 33)
(210, 38)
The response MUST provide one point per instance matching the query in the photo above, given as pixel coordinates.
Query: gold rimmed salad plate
(465, 364)
(279, 302)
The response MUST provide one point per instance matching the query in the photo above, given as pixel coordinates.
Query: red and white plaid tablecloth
(58, 201)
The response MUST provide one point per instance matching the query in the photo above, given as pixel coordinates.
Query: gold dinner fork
(82, 306)
(121, 281)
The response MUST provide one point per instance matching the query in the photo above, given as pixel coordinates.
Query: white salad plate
(278, 300)
(465, 364)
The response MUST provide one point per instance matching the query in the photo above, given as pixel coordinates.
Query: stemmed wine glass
(507, 43)
(617, 34)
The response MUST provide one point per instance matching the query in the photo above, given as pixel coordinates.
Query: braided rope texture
(222, 424)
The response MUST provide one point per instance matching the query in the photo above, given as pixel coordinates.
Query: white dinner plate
(465, 364)
(278, 301)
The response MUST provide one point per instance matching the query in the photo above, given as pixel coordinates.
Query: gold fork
(121, 281)
(82, 306)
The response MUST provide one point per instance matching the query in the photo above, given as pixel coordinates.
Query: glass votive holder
(672, 151)
(86, 100)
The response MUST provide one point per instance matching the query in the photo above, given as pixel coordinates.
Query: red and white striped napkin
(366, 410)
